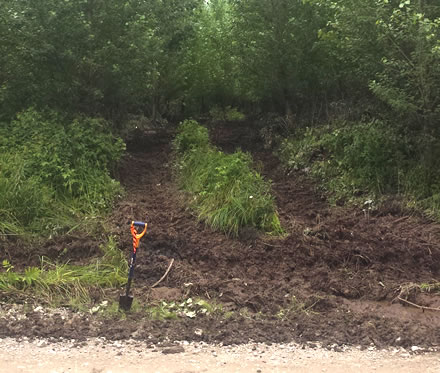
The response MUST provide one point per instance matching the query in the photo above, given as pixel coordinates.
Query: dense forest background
(350, 86)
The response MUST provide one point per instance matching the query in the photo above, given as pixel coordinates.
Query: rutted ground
(335, 277)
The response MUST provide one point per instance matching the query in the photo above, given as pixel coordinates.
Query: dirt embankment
(335, 278)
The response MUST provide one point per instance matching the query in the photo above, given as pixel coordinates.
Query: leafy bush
(369, 154)
(226, 192)
(368, 157)
(359, 159)
(191, 135)
(63, 154)
(50, 166)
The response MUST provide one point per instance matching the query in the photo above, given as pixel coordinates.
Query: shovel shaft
(127, 288)
(131, 272)
(126, 300)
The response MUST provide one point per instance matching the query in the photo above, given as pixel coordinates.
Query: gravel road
(101, 356)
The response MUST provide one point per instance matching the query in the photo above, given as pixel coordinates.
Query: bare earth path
(97, 356)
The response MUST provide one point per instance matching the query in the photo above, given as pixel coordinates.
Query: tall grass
(24, 200)
(225, 191)
(60, 283)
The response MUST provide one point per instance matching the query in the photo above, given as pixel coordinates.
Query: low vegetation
(186, 308)
(54, 171)
(355, 162)
(224, 190)
(67, 284)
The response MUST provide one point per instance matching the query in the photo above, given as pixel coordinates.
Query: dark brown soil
(336, 276)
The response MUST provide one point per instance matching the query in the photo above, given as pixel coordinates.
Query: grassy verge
(361, 163)
(66, 284)
(224, 190)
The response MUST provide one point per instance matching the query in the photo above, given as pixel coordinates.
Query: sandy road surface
(98, 356)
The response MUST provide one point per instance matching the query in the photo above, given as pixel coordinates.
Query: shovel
(125, 301)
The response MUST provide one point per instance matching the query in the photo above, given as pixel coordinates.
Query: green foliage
(410, 79)
(188, 308)
(228, 114)
(51, 168)
(63, 154)
(369, 154)
(64, 283)
(358, 60)
(210, 65)
(226, 192)
(190, 135)
(368, 159)
(296, 307)
(106, 57)
(25, 201)
(281, 60)
(350, 160)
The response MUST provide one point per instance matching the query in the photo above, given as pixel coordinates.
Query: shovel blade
(125, 302)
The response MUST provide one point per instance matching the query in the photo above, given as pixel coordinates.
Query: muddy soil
(339, 276)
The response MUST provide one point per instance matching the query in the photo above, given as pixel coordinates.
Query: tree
(410, 80)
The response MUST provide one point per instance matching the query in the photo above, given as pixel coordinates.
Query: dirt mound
(335, 277)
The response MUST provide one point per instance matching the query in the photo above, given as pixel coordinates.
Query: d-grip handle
(139, 224)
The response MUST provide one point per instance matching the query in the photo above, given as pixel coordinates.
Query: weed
(188, 308)
(162, 311)
(247, 314)
(432, 287)
(295, 306)
(110, 310)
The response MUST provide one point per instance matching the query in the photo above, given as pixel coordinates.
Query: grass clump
(66, 284)
(225, 191)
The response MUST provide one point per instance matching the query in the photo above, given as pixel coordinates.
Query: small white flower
(250, 197)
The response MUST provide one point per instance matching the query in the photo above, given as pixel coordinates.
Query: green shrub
(24, 200)
(61, 153)
(190, 135)
(53, 170)
(228, 113)
(368, 159)
(226, 192)
(370, 155)
(232, 114)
